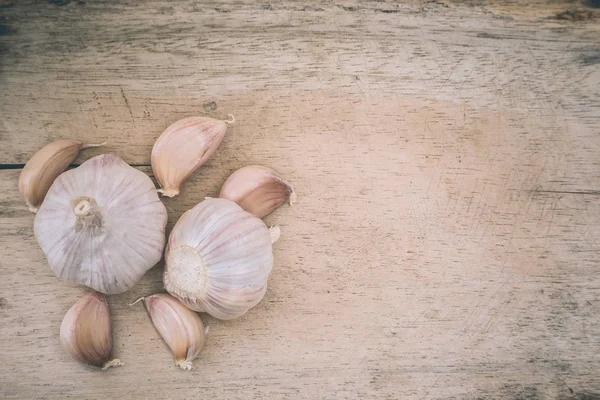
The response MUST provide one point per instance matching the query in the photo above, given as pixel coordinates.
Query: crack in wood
(586, 192)
(21, 166)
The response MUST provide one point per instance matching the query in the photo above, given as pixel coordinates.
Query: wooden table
(446, 156)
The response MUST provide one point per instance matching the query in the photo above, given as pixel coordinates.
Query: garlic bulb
(258, 190)
(85, 331)
(183, 147)
(102, 225)
(219, 258)
(43, 168)
(180, 327)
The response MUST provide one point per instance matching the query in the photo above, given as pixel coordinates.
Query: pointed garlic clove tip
(184, 364)
(275, 233)
(181, 328)
(44, 167)
(168, 192)
(183, 148)
(112, 364)
(230, 120)
(86, 334)
(91, 146)
(135, 302)
(258, 190)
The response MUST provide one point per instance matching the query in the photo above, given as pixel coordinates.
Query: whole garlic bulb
(102, 225)
(219, 258)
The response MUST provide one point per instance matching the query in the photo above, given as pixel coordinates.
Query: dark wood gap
(21, 166)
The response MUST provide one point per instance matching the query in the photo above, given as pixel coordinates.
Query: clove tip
(88, 146)
(168, 192)
(185, 365)
(230, 120)
(275, 233)
(112, 364)
(293, 196)
(137, 301)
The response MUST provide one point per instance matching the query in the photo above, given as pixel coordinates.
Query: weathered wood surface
(446, 157)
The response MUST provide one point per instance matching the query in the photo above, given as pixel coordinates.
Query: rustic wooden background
(446, 155)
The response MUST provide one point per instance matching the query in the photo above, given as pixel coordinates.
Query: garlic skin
(183, 147)
(219, 258)
(180, 327)
(102, 225)
(85, 332)
(44, 167)
(258, 190)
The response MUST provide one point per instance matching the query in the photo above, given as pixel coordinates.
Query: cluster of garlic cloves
(102, 225)
(86, 332)
(258, 190)
(183, 148)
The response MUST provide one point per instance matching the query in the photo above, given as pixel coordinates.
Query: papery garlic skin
(102, 225)
(258, 190)
(85, 331)
(180, 327)
(44, 167)
(218, 259)
(182, 148)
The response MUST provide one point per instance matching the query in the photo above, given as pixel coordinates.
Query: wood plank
(123, 73)
(445, 239)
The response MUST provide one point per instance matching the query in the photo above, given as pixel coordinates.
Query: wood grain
(446, 157)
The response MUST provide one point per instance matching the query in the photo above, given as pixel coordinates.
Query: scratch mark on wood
(126, 103)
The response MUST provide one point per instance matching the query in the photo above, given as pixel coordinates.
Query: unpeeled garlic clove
(183, 147)
(44, 167)
(85, 332)
(258, 190)
(180, 327)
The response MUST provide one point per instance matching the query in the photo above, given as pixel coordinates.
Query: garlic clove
(44, 167)
(219, 258)
(85, 332)
(180, 327)
(183, 147)
(102, 225)
(258, 190)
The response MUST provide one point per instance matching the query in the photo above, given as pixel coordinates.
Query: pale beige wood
(445, 239)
